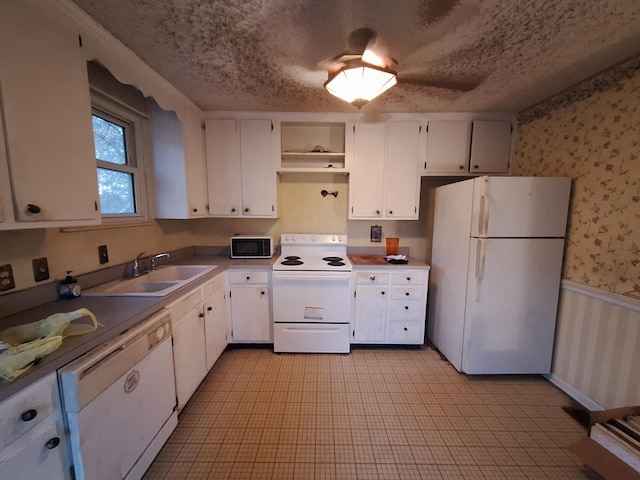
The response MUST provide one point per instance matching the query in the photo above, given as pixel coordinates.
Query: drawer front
(407, 311)
(248, 277)
(27, 408)
(213, 286)
(408, 293)
(411, 333)
(372, 278)
(408, 277)
(180, 307)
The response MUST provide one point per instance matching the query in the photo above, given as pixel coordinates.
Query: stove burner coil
(292, 262)
(333, 259)
(336, 263)
(292, 257)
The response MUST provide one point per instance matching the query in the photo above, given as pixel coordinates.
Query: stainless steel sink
(157, 283)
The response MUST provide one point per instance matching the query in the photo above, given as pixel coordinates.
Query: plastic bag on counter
(23, 345)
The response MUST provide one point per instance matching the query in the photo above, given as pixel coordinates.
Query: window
(119, 155)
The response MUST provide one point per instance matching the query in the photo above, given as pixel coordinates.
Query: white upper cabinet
(180, 170)
(467, 147)
(47, 120)
(490, 146)
(385, 182)
(366, 182)
(402, 179)
(240, 167)
(447, 147)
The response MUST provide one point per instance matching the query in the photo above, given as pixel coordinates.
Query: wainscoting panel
(597, 347)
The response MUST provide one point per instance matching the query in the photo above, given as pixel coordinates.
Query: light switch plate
(40, 269)
(103, 254)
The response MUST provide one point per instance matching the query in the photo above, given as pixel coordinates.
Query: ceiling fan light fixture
(359, 82)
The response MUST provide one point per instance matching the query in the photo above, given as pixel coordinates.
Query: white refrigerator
(495, 272)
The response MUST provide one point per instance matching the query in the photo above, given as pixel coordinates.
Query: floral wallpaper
(592, 134)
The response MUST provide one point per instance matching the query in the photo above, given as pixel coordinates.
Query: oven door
(311, 297)
(311, 311)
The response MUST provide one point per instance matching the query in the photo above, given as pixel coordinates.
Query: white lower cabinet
(199, 335)
(250, 306)
(390, 307)
(216, 317)
(32, 436)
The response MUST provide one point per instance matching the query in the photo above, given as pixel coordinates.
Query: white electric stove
(312, 294)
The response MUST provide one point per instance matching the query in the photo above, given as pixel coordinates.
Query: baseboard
(574, 393)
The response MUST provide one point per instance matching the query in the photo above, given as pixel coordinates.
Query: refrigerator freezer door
(510, 207)
(512, 298)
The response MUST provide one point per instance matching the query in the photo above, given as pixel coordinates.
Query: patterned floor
(373, 414)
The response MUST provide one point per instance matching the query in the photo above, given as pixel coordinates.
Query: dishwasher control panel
(159, 332)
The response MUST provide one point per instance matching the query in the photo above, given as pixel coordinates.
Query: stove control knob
(314, 238)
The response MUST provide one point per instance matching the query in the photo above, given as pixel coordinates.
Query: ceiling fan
(367, 70)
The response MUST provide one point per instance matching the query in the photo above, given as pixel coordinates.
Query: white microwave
(252, 246)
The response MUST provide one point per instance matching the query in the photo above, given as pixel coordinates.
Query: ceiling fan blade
(460, 85)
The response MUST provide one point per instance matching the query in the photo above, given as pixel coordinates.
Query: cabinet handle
(195, 210)
(407, 293)
(373, 279)
(31, 208)
(382, 292)
(461, 167)
(248, 277)
(377, 212)
(52, 443)
(405, 329)
(408, 279)
(262, 293)
(476, 166)
(201, 315)
(29, 415)
(233, 210)
(390, 212)
(209, 309)
(246, 210)
(406, 307)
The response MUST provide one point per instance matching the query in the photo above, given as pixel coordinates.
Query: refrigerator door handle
(481, 256)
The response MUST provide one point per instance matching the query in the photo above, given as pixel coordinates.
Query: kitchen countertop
(116, 314)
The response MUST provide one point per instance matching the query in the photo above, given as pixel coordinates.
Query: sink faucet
(153, 259)
(135, 269)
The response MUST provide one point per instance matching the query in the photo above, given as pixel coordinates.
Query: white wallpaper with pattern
(592, 134)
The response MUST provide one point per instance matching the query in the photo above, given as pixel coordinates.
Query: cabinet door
(47, 115)
(189, 354)
(215, 326)
(447, 147)
(369, 324)
(258, 169)
(39, 454)
(402, 181)
(223, 167)
(366, 189)
(250, 314)
(490, 146)
(196, 163)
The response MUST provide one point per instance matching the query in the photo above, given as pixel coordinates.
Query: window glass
(116, 192)
(110, 141)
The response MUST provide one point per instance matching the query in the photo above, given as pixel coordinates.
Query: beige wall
(596, 141)
(301, 207)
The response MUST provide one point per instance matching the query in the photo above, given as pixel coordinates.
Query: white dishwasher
(119, 402)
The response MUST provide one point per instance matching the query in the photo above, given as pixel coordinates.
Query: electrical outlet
(6, 278)
(40, 269)
(103, 254)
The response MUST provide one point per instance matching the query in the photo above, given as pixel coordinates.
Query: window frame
(136, 127)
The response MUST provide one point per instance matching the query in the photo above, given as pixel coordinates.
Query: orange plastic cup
(392, 245)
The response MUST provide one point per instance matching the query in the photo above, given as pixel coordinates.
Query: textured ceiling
(264, 55)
